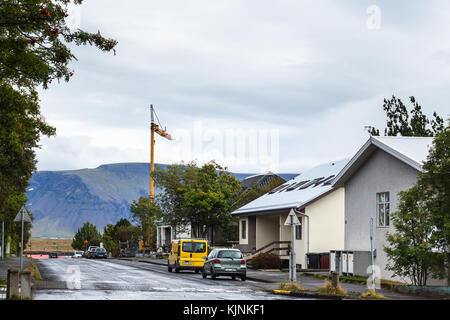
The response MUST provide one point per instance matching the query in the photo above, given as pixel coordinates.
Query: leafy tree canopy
(399, 122)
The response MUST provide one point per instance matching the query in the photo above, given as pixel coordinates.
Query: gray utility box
(350, 262)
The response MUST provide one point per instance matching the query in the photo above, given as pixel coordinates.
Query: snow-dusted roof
(411, 150)
(298, 191)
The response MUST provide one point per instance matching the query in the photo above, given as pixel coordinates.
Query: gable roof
(411, 150)
(297, 192)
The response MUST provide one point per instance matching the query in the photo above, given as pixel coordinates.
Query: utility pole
(292, 220)
(3, 240)
(371, 253)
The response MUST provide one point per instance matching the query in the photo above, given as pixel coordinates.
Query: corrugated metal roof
(302, 189)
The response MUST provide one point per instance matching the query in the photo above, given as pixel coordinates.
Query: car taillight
(216, 261)
(242, 261)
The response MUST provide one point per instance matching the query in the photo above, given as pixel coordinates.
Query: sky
(256, 85)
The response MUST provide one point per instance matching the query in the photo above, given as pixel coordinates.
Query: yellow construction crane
(154, 128)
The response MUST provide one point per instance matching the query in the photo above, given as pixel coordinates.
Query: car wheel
(204, 274)
(243, 278)
(233, 277)
(197, 270)
(177, 269)
(213, 275)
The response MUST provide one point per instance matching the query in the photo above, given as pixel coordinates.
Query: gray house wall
(380, 173)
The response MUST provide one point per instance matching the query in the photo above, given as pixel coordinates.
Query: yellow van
(187, 254)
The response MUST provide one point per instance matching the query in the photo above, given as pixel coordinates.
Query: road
(127, 280)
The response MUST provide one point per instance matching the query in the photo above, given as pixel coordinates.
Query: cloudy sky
(257, 85)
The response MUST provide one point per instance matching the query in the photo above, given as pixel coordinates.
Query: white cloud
(310, 69)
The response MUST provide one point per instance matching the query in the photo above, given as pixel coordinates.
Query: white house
(320, 209)
(372, 179)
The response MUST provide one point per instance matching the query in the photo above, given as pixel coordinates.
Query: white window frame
(386, 213)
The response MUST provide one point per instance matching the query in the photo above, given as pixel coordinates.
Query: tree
(208, 202)
(144, 213)
(420, 245)
(35, 39)
(87, 232)
(399, 122)
(173, 180)
(34, 51)
(198, 198)
(435, 181)
(410, 250)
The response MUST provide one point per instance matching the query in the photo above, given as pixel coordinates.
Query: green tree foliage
(199, 198)
(34, 39)
(173, 180)
(87, 232)
(410, 247)
(420, 245)
(144, 213)
(208, 202)
(435, 180)
(413, 124)
(20, 127)
(34, 51)
(123, 231)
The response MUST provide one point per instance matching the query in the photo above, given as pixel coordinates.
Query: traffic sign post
(292, 220)
(22, 216)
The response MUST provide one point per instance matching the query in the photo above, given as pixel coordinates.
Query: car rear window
(230, 254)
(194, 247)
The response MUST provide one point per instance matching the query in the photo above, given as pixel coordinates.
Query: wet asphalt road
(82, 279)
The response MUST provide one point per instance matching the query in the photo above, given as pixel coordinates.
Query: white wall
(327, 222)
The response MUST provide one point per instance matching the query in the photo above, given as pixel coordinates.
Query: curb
(306, 294)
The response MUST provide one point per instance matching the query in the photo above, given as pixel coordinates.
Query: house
(165, 233)
(319, 207)
(372, 179)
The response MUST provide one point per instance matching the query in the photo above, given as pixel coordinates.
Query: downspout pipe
(305, 215)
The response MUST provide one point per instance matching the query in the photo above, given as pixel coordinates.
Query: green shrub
(266, 261)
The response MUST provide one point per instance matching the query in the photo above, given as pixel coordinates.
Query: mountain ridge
(61, 201)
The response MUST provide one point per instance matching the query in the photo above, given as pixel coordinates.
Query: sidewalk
(272, 279)
(12, 263)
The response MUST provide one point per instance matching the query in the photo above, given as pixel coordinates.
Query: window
(194, 247)
(383, 209)
(231, 254)
(244, 229)
(298, 232)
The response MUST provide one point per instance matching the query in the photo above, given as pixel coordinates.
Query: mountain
(61, 201)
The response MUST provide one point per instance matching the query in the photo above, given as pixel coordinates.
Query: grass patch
(329, 289)
(291, 286)
(371, 294)
(34, 271)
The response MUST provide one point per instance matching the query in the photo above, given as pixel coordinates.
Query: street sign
(26, 217)
(293, 221)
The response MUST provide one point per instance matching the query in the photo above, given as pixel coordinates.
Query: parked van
(187, 254)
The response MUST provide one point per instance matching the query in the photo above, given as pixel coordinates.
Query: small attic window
(328, 180)
(306, 185)
(295, 186)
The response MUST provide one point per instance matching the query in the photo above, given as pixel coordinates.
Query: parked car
(225, 262)
(90, 251)
(53, 255)
(100, 253)
(187, 254)
(78, 254)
